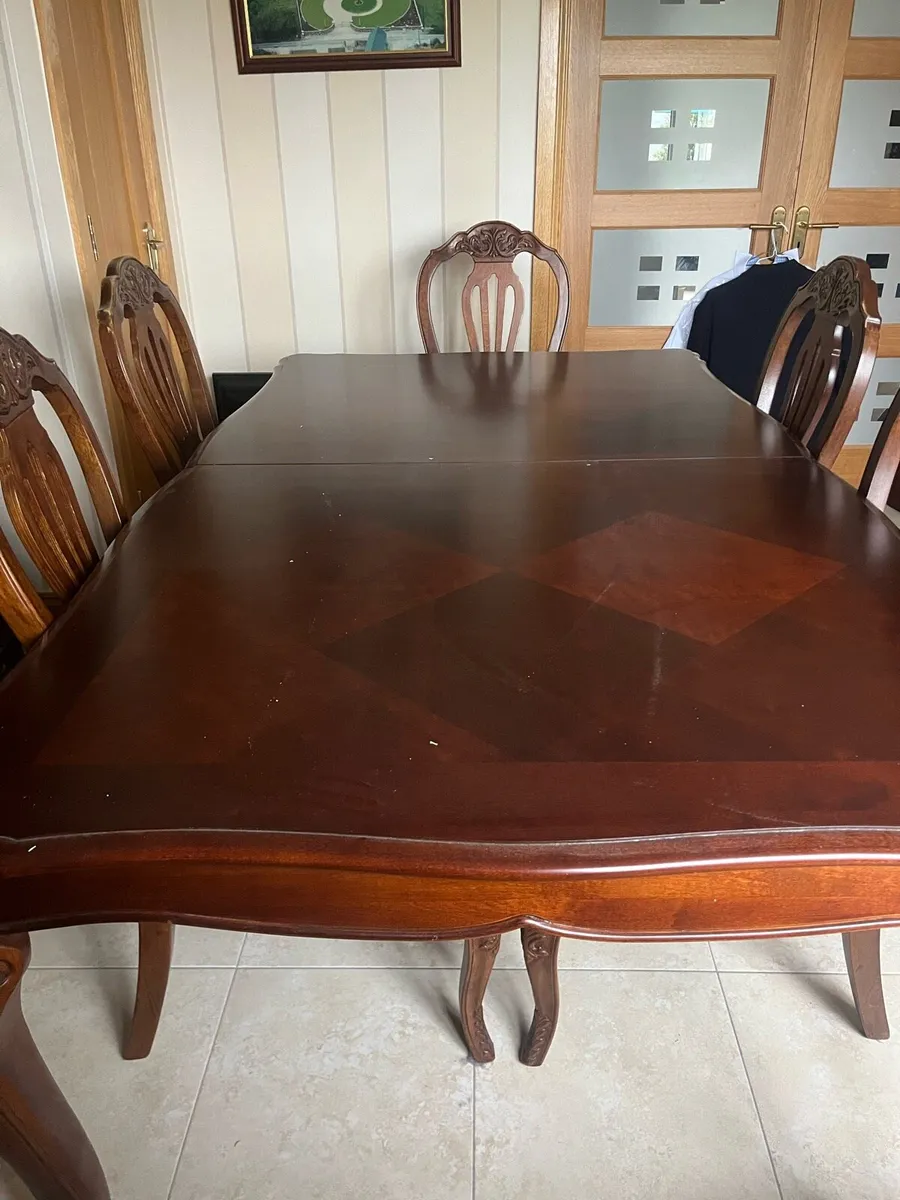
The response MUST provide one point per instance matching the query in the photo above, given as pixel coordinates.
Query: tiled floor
(290, 1068)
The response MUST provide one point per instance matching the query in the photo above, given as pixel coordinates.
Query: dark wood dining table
(442, 647)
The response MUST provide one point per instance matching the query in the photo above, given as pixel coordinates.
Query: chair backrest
(170, 411)
(37, 491)
(833, 363)
(493, 245)
(884, 459)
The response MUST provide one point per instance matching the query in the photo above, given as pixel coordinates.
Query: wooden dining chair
(493, 246)
(884, 459)
(818, 395)
(47, 517)
(168, 403)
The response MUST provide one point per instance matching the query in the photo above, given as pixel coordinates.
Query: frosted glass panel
(691, 18)
(881, 391)
(644, 276)
(681, 133)
(879, 246)
(876, 18)
(867, 150)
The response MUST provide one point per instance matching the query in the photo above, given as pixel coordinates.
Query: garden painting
(279, 35)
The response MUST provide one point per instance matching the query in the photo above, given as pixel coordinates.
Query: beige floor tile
(333, 1085)
(116, 945)
(829, 1098)
(265, 951)
(643, 1095)
(805, 955)
(135, 1113)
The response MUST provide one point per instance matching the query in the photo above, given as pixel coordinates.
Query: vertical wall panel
(301, 103)
(520, 23)
(470, 143)
(415, 188)
(250, 142)
(373, 170)
(194, 136)
(364, 241)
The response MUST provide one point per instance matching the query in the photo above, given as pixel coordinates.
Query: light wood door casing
(576, 60)
(96, 73)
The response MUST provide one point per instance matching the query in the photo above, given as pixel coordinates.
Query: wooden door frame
(558, 19)
(133, 476)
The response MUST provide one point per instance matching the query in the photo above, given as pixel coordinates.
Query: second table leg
(40, 1136)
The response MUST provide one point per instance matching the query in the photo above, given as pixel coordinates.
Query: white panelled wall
(303, 204)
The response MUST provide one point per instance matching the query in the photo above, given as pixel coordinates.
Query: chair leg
(155, 958)
(862, 950)
(478, 962)
(541, 956)
(40, 1136)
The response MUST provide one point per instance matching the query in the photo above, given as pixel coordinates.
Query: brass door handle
(802, 226)
(153, 243)
(778, 223)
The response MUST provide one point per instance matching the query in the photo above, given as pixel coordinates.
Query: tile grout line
(474, 1087)
(212, 1046)
(740, 1048)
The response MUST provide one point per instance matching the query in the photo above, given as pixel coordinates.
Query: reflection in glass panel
(876, 18)
(881, 390)
(703, 118)
(682, 291)
(699, 151)
(728, 158)
(879, 245)
(687, 262)
(662, 118)
(864, 150)
(692, 18)
(616, 278)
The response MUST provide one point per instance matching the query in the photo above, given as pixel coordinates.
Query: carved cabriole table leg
(862, 950)
(40, 1136)
(541, 955)
(478, 962)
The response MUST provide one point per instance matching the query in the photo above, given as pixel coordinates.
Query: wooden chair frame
(884, 460)
(38, 493)
(815, 408)
(493, 245)
(169, 420)
(46, 515)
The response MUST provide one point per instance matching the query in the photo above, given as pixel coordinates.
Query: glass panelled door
(850, 169)
(683, 128)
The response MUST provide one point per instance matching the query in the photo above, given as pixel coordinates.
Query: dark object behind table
(10, 650)
(233, 389)
(734, 324)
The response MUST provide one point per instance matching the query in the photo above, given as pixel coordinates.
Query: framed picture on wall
(345, 35)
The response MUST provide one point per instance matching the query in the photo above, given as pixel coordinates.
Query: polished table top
(509, 654)
(493, 408)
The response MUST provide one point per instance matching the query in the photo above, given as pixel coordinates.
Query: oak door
(94, 60)
(667, 129)
(850, 169)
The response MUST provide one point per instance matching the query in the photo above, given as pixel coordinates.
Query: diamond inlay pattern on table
(704, 583)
